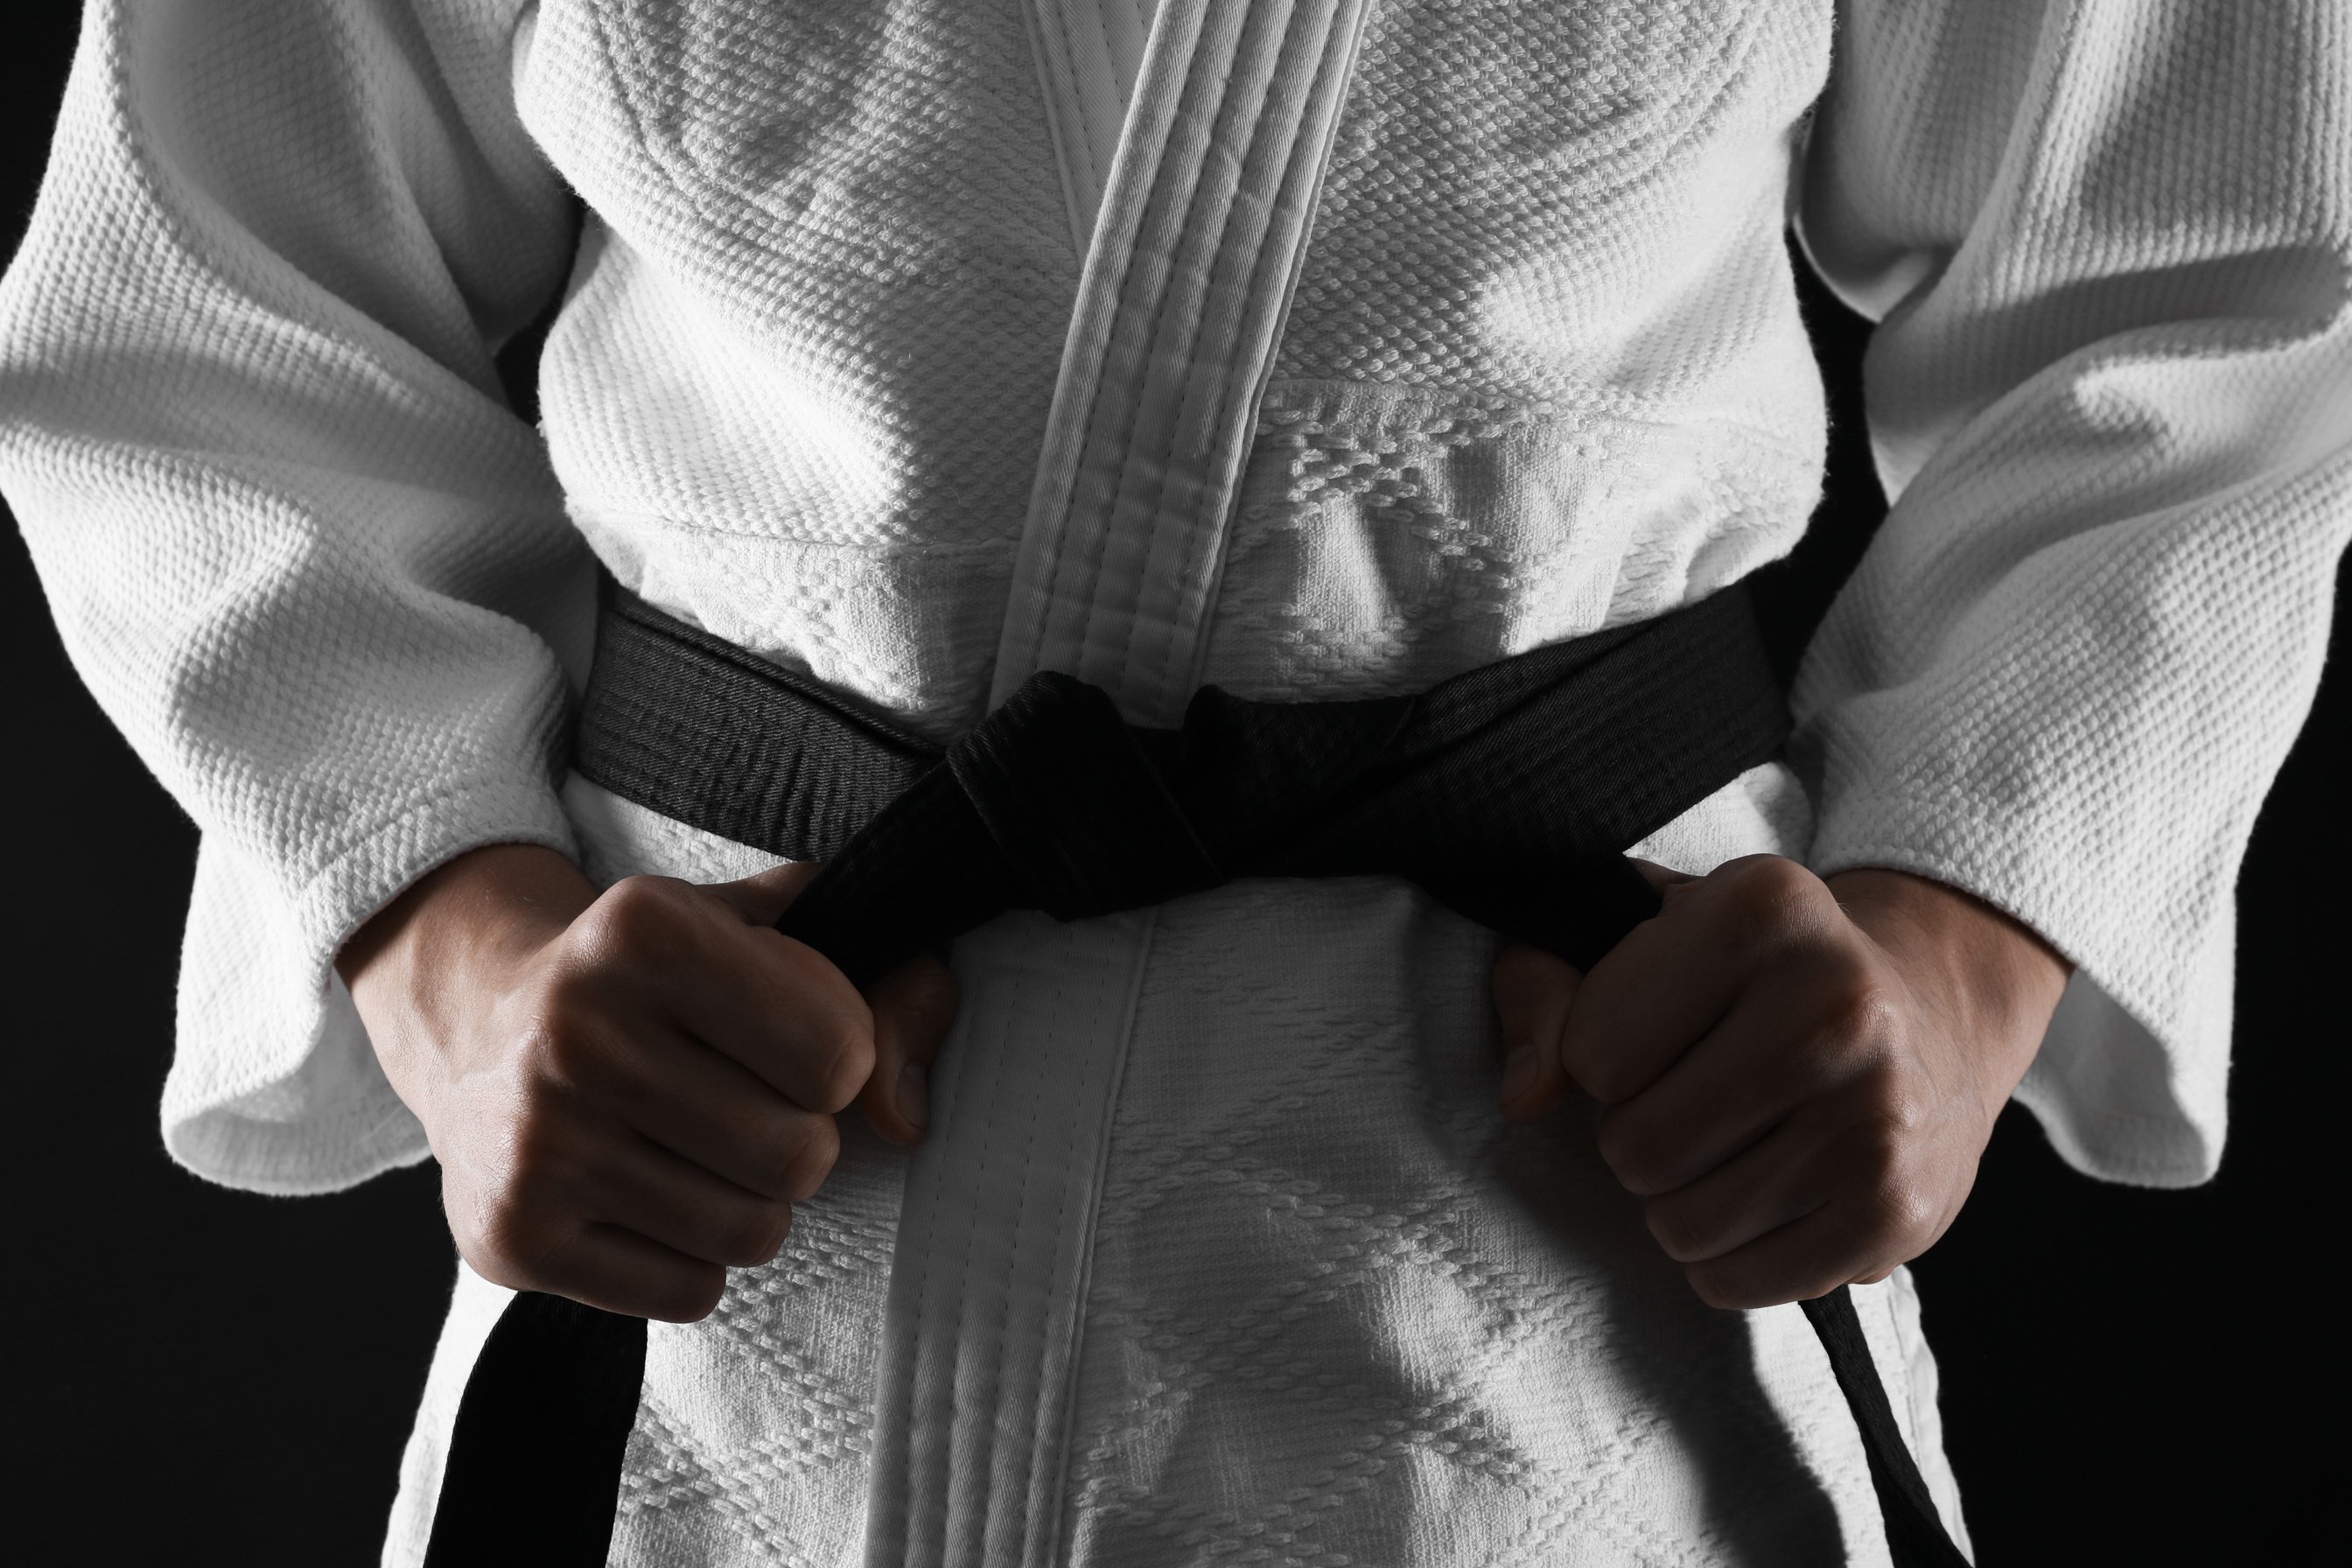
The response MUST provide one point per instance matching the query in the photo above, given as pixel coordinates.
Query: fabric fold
(2110, 396)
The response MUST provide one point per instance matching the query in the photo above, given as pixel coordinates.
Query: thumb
(1533, 989)
(761, 900)
(1664, 879)
(914, 1005)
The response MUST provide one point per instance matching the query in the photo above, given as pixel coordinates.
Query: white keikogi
(1307, 347)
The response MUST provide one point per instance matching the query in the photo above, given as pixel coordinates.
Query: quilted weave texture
(1542, 1387)
(810, 341)
(1337, 1313)
(2113, 402)
(836, 294)
(1542, 373)
(1573, 202)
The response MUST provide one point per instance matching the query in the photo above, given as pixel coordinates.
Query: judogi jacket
(1310, 348)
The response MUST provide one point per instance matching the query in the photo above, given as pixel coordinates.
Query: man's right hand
(627, 1091)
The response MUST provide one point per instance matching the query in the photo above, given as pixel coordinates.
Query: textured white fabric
(1336, 1308)
(251, 425)
(1087, 53)
(1542, 372)
(2112, 396)
(292, 538)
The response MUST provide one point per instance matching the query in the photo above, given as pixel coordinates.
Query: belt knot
(1075, 807)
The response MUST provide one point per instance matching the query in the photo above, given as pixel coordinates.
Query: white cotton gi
(1308, 347)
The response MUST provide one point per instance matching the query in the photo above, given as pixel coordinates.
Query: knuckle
(1738, 1287)
(489, 1263)
(1880, 1148)
(1680, 1232)
(1862, 1011)
(1900, 1114)
(555, 1041)
(760, 1235)
(638, 917)
(1721, 1287)
(1897, 1208)
(690, 1295)
(513, 1231)
(842, 1069)
(1904, 1214)
(1633, 1155)
(536, 1150)
(485, 1267)
(1851, 1033)
(1766, 895)
(1609, 1085)
(1598, 1071)
(811, 1157)
(527, 1203)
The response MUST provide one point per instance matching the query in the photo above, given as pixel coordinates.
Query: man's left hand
(1799, 1075)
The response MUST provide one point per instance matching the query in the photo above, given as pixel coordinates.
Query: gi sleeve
(295, 541)
(2110, 396)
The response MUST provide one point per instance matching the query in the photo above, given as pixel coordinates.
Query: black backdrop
(201, 1375)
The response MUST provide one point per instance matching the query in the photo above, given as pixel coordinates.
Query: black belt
(1509, 793)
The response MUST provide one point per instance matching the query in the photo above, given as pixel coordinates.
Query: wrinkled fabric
(1478, 335)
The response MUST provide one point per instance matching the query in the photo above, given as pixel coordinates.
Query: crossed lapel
(1191, 257)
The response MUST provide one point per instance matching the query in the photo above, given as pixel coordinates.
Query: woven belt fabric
(1509, 793)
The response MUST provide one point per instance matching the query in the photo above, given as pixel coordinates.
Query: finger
(1676, 976)
(644, 1188)
(620, 1271)
(1774, 1184)
(1806, 1259)
(762, 899)
(1731, 1088)
(1861, 1234)
(782, 1010)
(1662, 878)
(707, 1107)
(913, 1005)
(654, 952)
(1533, 990)
(1648, 1000)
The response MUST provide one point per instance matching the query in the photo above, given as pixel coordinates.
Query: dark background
(202, 1374)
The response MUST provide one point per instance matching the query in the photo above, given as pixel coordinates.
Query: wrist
(1992, 979)
(422, 963)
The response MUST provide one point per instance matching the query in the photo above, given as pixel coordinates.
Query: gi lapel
(1203, 208)
(1087, 54)
(1189, 271)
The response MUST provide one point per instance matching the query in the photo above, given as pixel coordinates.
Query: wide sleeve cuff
(2129, 1082)
(274, 1087)
(2109, 251)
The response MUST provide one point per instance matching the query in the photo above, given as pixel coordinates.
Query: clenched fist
(628, 1090)
(1799, 1076)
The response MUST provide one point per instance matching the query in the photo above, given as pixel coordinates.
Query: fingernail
(1518, 1074)
(915, 1095)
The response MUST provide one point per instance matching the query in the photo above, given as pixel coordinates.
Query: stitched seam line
(1053, 1451)
(1152, 518)
(1077, 87)
(1162, 170)
(1209, 551)
(1189, 541)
